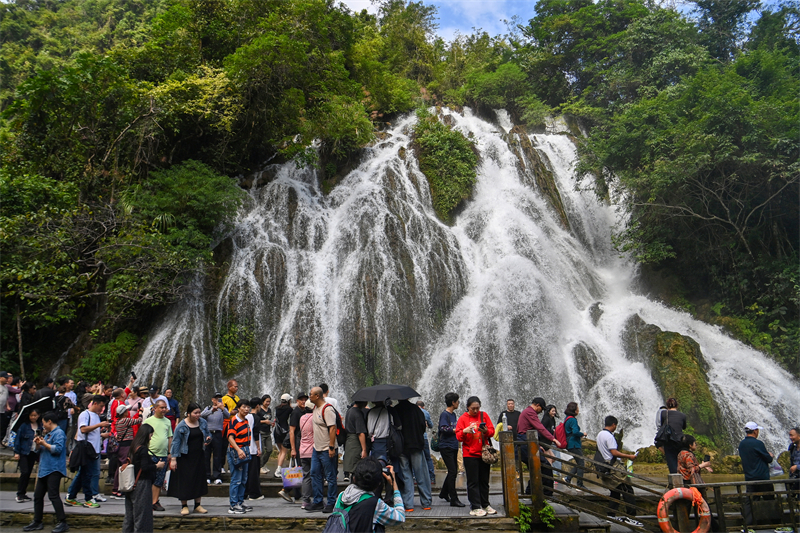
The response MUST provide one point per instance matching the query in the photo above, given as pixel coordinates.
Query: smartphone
(133, 375)
(483, 425)
(706, 458)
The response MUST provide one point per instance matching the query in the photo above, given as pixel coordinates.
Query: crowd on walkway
(384, 450)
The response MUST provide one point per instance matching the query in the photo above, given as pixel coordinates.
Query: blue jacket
(574, 433)
(755, 459)
(180, 439)
(447, 431)
(24, 440)
(54, 460)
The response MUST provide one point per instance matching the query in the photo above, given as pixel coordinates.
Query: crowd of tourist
(382, 446)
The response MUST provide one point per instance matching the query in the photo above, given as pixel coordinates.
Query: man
(160, 444)
(755, 463)
(614, 478)
(267, 423)
(794, 460)
(427, 449)
(215, 416)
(154, 396)
(231, 400)
(529, 419)
(90, 430)
(66, 407)
(294, 439)
(333, 401)
(239, 440)
(512, 415)
(378, 420)
(324, 457)
(356, 448)
(253, 487)
(52, 467)
(173, 408)
(412, 460)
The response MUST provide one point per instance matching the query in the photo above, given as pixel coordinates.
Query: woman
(266, 426)
(282, 414)
(306, 451)
(26, 396)
(173, 408)
(549, 421)
(677, 421)
(574, 445)
(474, 429)
(26, 452)
(126, 425)
(139, 502)
(188, 478)
(448, 447)
(688, 467)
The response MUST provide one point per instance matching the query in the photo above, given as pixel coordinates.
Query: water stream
(365, 285)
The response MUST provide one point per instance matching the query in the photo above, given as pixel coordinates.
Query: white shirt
(605, 443)
(334, 402)
(150, 402)
(254, 435)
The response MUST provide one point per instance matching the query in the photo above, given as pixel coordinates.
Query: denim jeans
(415, 466)
(238, 478)
(87, 478)
(429, 460)
(378, 449)
(323, 462)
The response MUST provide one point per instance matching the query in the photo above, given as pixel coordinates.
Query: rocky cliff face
(677, 366)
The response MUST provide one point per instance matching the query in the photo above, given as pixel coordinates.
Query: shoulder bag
(664, 434)
(126, 480)
(488, 453)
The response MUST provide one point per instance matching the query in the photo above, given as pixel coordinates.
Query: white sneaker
(217, 482)
(278, 474)
(265, 470)
(632, 522)
(477, 512)
(489, 510)
(236, 509)
(208, 482)
(282, 493)
(221, 470)
(100, 498)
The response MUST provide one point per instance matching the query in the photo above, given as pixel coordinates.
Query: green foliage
(525, 519)
(447, 159)
(106, 359)
(236, 345)
(548, 516)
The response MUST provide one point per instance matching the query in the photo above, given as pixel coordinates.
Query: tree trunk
(19, 341)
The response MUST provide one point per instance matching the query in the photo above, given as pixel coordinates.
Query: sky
(464, 15)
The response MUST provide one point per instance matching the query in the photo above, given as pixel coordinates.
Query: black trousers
(217, 448)
(622, 492)
(253, 488)
(671, 452)
(48, 484)
(450, 458)
(26, 463)
(477, 482)
(547, 474)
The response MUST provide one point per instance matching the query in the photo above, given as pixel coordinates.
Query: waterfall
(522, 296)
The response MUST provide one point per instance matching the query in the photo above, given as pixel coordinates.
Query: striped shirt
(390, 516)
(240, 430)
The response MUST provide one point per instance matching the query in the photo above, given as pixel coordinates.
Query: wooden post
(510, 495)
(720, 505)
(681, 511)
(535, 468)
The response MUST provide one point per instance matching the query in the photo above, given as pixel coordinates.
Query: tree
(722, 25)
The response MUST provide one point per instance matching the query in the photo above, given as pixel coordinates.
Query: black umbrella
(43, 405)
(380, 393)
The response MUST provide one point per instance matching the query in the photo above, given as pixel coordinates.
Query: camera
(384, 467)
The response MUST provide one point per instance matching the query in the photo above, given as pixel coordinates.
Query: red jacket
(473, 442)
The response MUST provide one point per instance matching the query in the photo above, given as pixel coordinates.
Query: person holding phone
(688, 467)
(186, 460)
(26, 452)
(473, 429)
(52, 467)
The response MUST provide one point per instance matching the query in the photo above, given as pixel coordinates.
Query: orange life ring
(680, 493)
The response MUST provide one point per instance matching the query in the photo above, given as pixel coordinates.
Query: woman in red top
(474, 429)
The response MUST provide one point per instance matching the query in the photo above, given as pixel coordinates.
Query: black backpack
(355, 518)
(341, 432)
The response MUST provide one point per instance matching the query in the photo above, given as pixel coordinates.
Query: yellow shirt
(230, 402)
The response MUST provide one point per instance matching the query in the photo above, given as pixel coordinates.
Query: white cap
(752, 426)
(286, 397)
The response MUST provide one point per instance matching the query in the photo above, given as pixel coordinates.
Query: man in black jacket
(755, 463)
(412, 461)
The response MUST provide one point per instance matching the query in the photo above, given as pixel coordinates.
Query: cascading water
(522, 296)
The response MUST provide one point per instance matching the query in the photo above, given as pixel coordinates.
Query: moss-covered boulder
(728, 464)
(651, 454)
(678, 368)
(590, 368)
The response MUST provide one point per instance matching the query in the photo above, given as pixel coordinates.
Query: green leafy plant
(105, 360)
(525, 519)
(548, 516)
(447, 159)
(236, 345)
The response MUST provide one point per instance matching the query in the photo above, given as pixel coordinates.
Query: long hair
(142, 438)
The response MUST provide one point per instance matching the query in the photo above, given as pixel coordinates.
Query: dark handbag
(664, 435)
(489, 454)
(236, 460)
(394, 444)
(435, 442)
(112, 446)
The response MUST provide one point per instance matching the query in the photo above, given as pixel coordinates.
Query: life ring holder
(681, 493)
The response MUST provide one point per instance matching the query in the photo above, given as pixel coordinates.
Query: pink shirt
(306, 436)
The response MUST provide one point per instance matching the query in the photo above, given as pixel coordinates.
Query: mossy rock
(678, 368)
(729, 464)
(651, 454)
(785, 460)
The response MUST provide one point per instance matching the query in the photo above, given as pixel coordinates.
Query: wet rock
(595, 312)
(679, 370)
(589, 368)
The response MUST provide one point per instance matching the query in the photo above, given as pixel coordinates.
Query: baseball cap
(153, 387)
(302, 395)
(217, 395)
(286, 397)
(752, 426)
(121, 408)
(4, 374)
(539, 401)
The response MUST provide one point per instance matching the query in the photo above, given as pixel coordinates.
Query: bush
(104, 361)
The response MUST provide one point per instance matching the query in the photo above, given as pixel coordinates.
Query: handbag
(488, 453)
(112, 446)
(435, 442)
(126, 480)
(292, 475)
(234, 458)
(664, 435)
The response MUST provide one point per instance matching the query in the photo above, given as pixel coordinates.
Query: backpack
(341, 432)
(353, 518)
(561, 433)
(63, 404)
